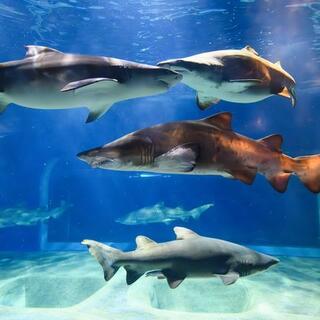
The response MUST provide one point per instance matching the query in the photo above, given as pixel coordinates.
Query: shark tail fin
(105, 255)
(307, 168)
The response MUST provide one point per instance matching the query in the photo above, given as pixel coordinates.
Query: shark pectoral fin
(184, 233)
(94, 86)
(179, 159)
(97, 112)
(273, 141)
(204, 101)
(240, 85)
(3, 103)
(144, 242)
(279, 181)
(229, 278)
(132, 276)
(244, 174)
(174, 279)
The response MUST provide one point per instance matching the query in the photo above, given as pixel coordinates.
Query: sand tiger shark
(205, 147)
(159, 213)
(240, 76)
(189, 256)
(49, 79)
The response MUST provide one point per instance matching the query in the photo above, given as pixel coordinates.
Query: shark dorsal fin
(273, 141)
(221, 120)
(184, 233)
(250, 49)
(35, 50)
(278, 64)
(144, 242)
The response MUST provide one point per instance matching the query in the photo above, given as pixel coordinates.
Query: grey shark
(159, 213)
(240, 76)
(189, 256)
(20, 216)
(49, 79)
(205, 147)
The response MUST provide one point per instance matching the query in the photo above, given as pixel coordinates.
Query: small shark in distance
(20, 216)
(50, 79)
(159, 213)
(205, 147)
(240, 76)
(189, 256)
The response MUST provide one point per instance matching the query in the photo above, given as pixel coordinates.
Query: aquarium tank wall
(55, 106)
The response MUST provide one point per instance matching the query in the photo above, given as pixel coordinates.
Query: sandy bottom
(70, 286)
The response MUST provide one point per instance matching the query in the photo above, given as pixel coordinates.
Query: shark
(159, 213)
(240, 76)
(50, 79)
(207, 146)
(20, 216)
(189, 256)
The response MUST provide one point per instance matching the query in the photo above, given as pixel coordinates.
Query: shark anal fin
(184, 233)
(144, 242)
(244, 174)
(229, 278)
(182, 158)
(92, 85)
(280, 181)
(132, 276)
(273, 141)
(204, 101)
(221, 120)
(174, 279)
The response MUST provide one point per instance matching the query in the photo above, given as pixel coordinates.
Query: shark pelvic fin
(144, 242)
(204, 101)
(245, 174)
(273, 141)
(184, 233)
(229, 278)
(182, 158)
(174, 279)
(250, 49)
(221, 120)
(132, 276)
(35, 50)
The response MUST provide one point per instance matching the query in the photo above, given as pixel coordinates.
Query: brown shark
(240, 76)
(206, 147)
(189, 256)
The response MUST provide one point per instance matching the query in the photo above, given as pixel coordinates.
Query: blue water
(149, 32)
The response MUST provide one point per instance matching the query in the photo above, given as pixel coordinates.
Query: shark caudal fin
(308, 171)
(105, 255)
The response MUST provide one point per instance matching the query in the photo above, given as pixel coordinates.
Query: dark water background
(151, 31)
